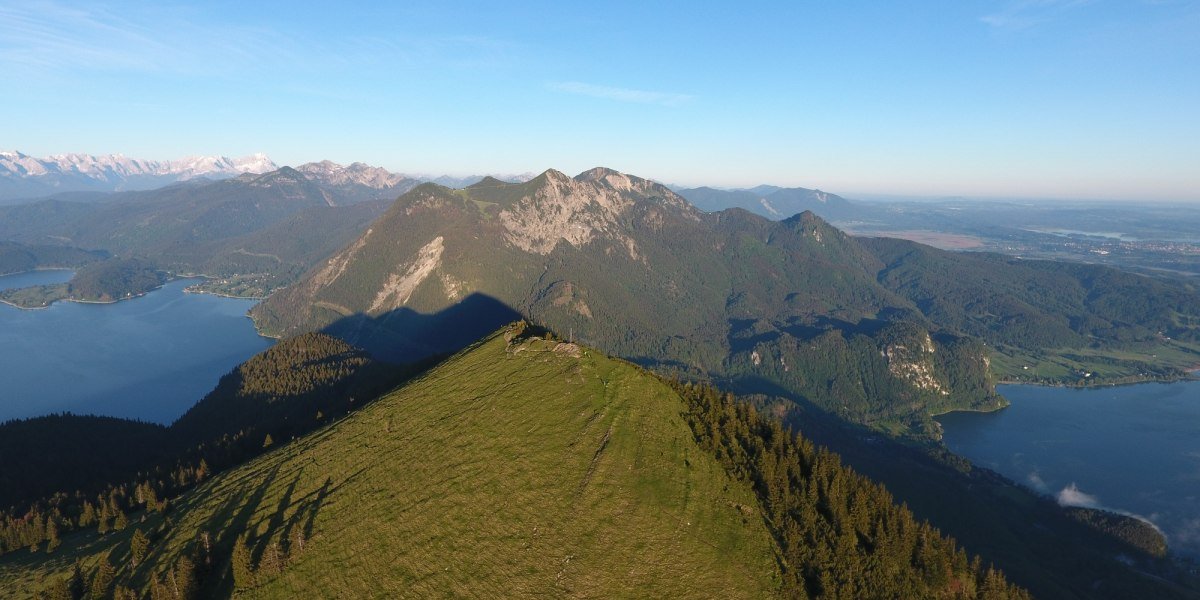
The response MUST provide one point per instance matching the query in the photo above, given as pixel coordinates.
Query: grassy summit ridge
(528, 469)
(532, 469)
(526, 466)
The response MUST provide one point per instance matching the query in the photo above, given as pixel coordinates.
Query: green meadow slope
(524, 466)
(533, 469)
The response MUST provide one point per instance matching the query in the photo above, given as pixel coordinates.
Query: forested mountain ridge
(252, 233)
(626, 264)
(793, 307)
(1050, 321)
(526, 466)
(17, 258)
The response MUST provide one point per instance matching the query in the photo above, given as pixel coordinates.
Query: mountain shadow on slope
(55, 453)
(404, 335)
(287, 390)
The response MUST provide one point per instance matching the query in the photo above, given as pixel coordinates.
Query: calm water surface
(1132, 449)
(32, 278)
(149, 358)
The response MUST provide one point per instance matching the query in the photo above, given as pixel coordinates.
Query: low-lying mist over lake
(1131, 449)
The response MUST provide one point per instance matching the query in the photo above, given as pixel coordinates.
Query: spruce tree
(121, 521)
(138, 545)
(102, 581)
(52, 541)
(88, 516)
(243, 570)
(102, 519)
(183, 579)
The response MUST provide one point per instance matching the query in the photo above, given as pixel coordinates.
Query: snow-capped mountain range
(331, 173)
(24, 176)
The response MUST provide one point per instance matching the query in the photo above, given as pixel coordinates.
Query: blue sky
(1023, 98)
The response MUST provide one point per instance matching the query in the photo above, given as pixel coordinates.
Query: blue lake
(32, 278)
(149, 358)
(1131, 449)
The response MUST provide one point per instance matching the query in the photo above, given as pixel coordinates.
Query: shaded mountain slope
(286, 391)
(60, 453)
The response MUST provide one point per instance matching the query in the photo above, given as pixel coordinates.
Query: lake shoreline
(83, 301)
(171, 278)
(37, 269)
(1189, 374)
(121, 359)
(1052, 445)
(193, 290)
(1193, 374)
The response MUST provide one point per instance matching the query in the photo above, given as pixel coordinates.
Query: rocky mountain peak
(330, 173)
(554, 176)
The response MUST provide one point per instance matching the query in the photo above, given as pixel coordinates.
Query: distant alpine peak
(331, 173)
(24, 176)
(116, 167)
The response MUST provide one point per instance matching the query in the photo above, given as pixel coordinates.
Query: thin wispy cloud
(619, 94)
(1023, 14)
(48, 37)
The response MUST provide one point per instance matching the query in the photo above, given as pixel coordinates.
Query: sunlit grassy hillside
(532, 468)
